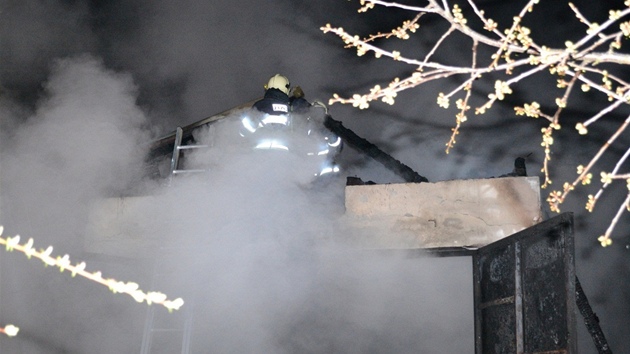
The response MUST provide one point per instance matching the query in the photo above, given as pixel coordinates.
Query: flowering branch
(513, 51)
(10, 330)
(63, 263)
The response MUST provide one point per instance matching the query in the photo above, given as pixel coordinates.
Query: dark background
(165, 64)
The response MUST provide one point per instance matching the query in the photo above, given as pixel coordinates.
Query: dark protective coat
(299, 105)
(274, 102)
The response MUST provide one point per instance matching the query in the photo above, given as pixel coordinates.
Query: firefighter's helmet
(278, 82)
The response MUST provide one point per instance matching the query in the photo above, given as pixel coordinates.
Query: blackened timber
(352, 139)
(164, 145)
(426, 252)
(590, 320)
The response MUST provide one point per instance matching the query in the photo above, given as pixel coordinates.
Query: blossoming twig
(515, 56)
(10, 330)
(63, 263)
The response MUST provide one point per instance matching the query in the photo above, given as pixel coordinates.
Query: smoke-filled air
(250, 244)
(254, 242)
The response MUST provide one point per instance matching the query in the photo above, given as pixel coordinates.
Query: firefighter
(297, 101)
(276, 99)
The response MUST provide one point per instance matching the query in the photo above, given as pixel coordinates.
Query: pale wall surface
(443, 214)
(119, 227)
(389, 216)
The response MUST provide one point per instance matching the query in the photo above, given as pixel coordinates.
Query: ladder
(167, 332)
(167, 335)
(177, 148)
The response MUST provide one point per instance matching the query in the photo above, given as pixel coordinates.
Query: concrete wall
(123, 227)
(387, 216)
(444, 214)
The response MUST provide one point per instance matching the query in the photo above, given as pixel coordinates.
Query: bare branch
(516, 57)
(611, 21)
(64, 263)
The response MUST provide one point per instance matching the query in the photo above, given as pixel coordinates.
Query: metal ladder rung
(177, 147)
(188, 171)
(173, 329)
(188, 147)
(167, 330)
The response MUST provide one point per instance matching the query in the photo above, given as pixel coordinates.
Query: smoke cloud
(255, 240)
(249, 244)
(80, 143)
(74, 129)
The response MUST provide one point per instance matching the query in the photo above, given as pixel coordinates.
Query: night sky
(83, 83)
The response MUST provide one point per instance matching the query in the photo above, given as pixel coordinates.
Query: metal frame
(524, 291)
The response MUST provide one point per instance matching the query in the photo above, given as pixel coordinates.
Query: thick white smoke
(251, 242)
(256, 241)
(195, 58)
(82, 143)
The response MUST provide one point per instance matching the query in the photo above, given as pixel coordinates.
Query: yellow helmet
(278, 82)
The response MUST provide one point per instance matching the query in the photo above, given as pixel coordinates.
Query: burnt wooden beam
(351, 138)
(590, 320)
